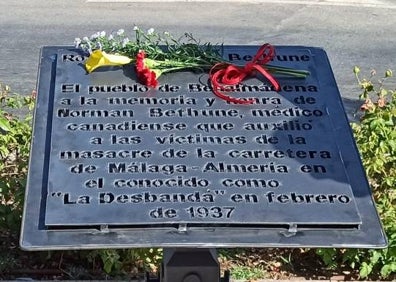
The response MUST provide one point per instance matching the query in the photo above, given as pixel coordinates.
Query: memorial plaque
(115, 163)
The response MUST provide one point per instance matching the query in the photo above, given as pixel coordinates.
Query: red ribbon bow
(225, 74)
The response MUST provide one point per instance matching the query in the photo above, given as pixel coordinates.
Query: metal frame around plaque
(207, 179)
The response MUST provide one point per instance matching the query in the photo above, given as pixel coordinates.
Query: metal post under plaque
(190, 265)
(116, 164)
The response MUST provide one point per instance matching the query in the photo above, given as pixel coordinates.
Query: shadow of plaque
(117, 164)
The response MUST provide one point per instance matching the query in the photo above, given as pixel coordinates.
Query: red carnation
(145, 75)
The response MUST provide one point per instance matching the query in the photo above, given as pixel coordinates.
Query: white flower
(87, 47)
(125, 42)
(77, 42)
(135, 28)
(150, 31)
(85, 39)
(120, 32)
(95, 35)
(102, 33)
(111, 37)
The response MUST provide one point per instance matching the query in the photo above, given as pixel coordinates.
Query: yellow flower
(99, 58)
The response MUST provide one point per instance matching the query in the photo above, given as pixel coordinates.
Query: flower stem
(287, 71)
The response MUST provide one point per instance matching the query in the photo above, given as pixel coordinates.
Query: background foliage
(15, 134)
(375, 136)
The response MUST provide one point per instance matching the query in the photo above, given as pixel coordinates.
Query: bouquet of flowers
(154, 54)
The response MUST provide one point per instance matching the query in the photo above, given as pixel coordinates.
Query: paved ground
(353, 32)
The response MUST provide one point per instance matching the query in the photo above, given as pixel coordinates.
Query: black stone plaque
(118, 164)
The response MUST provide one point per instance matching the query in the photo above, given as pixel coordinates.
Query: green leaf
(108, 265)
(365, 270)
(387, 269)
(388, 73)
(5, 124)
(376, 255)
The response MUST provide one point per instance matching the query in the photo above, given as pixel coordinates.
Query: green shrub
(15, 134)
(128, 261)
(375, 136)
